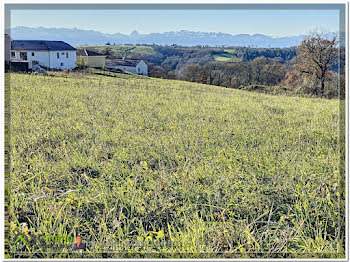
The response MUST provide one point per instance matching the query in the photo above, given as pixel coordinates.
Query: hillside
(198, 54)
(124, 50)
(214, 172)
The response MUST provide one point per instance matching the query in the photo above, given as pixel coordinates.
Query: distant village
(40, 55)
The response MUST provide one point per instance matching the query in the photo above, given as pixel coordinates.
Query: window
(58, 55)
(62, 53)
(62, 64)
(67, 55)
(23, 55)
(32, 53)
(13, 54)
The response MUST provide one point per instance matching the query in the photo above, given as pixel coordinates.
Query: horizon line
(105, 33)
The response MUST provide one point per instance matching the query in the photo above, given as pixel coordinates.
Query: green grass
(215, 172)
(231, 51)
(226, 57)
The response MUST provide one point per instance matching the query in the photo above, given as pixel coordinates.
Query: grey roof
(40, 45)
(85, 52)
(121, 62)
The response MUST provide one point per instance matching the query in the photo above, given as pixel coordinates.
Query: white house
(50, 54)
(135, 66)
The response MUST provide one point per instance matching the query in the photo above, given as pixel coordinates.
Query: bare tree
(191, 72)
(316, 55)
(257, 66)
(272, 73)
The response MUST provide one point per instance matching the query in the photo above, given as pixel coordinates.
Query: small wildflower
(160, 233)
(144, 164)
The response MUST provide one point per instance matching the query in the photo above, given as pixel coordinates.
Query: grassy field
(229, 55)
(226, 57)
(182, 169)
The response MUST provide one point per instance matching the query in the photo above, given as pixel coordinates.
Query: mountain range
(78, 37)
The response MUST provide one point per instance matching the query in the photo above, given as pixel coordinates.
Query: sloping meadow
(143, 167)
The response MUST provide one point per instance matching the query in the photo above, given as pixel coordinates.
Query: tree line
(315, 67)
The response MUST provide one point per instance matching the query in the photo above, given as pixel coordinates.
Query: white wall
(49, 58)
(42, 57)
(142, 68)
(63, 62)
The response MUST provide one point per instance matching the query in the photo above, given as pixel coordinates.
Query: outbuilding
(91, 58)
(135, 66)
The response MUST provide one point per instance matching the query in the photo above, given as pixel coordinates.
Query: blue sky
(268, 22)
